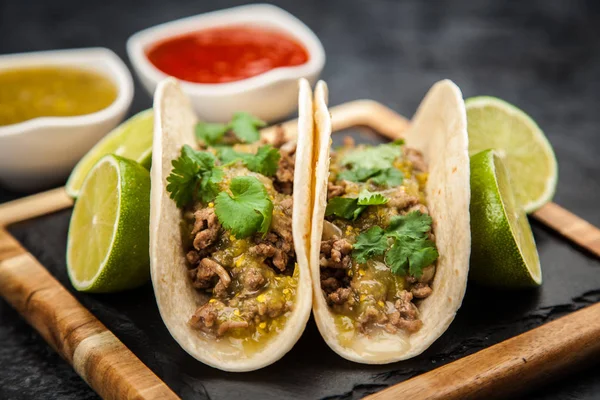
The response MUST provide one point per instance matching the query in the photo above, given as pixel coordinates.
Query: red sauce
(226, 54)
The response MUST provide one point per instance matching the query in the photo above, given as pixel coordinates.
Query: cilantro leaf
(245, 127)
(209, 133)
(357, 174)
(410, 252)
(265, 161)
(414, 225)
(247, 210)
(187, 173)
(388, 177)
(369, 244)
(209, 185)
(366, 198)
(410, 255)
(352, 207)
(344, 207)
(376, 157)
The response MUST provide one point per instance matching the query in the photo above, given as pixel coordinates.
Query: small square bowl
(270, 96)
(40, 152)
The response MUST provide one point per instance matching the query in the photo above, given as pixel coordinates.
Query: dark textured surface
(542, 55)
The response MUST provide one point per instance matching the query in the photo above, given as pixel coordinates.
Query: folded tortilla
(176, 297)
(439, 131)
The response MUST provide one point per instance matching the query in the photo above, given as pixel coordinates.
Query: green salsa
(27, 93)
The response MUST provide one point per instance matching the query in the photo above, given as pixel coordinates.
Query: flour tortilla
(176, 298)
(439, 131)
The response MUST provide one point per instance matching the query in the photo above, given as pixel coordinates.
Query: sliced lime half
(107, 247)
(517, 139)
(503, 250)
(132, 139)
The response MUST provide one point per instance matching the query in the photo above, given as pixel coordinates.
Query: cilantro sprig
(265, 161)
(247, 210)
(373, 164)
(352, 207)
(243, 125)
(410, 250)
(194, 175)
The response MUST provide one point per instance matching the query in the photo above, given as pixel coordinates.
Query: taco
(230, 223)
(393, 223)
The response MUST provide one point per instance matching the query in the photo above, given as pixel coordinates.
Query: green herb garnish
(369, 244)
(247, 210)
(373, 158)
(265, 161)
(373, 164)
(243, 125)
(209, 133)
(410, 251)
(192, 171)
(352, 207)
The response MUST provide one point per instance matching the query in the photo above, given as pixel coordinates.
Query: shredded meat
(372, 315)
(284, 177)
(334, 190)
(252, 279)
(335, 253)
(204, 318)
(401, 200)
(420, 291)
(210, 274)
(206, 228)
(340, 296)
(277, 248)
(192, 257)
(416, 158)
(229, 325)
(406, 316)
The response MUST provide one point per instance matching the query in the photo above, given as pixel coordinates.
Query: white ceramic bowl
(41, 152)
(270, 96)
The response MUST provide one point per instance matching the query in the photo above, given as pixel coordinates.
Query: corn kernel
(262, 325)
(260, 298)
(361, 272)
(350, 273)
(231, 237)
(381, 303)
(239, 261)
(286, 291)
(236, 312)
(362, 297)
(212, 300)
(211, 204)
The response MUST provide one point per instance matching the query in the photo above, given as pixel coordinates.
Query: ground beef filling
(369, 293)
(248, 282)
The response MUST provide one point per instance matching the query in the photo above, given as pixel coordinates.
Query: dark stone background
(543, 56)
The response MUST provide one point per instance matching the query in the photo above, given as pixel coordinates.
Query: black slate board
(542, 56)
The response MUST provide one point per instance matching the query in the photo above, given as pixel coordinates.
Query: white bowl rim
(117, 73)
(246, 13)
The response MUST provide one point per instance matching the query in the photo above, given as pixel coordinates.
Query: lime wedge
(503, 252)
(107, 247)
(132, 139)
(495, 124)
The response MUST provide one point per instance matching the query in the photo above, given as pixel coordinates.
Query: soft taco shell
(439, 131)
(176, 298)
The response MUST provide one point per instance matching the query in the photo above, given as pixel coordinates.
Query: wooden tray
(113, 371)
